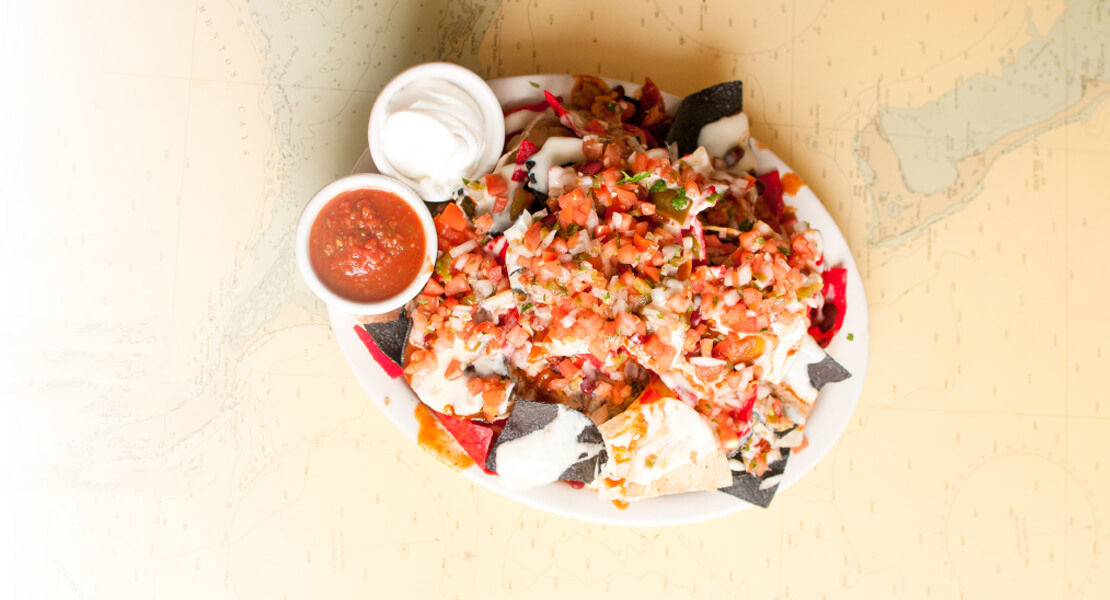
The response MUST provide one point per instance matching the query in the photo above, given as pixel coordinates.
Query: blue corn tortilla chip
(747, 486)
(529, 416)
(391, 337)
(826, 371)
(702, 108)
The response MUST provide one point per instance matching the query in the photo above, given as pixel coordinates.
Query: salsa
(366, 245)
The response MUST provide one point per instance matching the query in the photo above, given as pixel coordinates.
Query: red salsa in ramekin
(366, 245)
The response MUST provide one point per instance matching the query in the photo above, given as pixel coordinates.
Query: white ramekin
(354, 182)
(493, 126)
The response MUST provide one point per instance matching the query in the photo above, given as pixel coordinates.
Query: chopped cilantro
(633, 178)
(851, 337)
(760, 240)
(714, 197)
(534, 84)
(658, 186)
(680, 202)
(785, 251)
(747, 225)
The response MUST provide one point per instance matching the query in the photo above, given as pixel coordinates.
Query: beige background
(176, 420)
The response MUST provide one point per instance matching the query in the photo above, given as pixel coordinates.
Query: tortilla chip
(694, 451)
(758, 490)
(529, 416)
(391, 337)
(474, 437)
(702, 108)
(826, 371)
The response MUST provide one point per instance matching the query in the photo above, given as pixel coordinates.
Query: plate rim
(656, 512)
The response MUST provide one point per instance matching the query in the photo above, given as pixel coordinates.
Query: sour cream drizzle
(541, 456)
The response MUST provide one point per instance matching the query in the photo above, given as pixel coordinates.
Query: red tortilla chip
(391, 368)
(828, 322)
(475, 438)
(773, 194)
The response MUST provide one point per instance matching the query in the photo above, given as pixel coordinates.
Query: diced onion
(706, 361)
(463, 248)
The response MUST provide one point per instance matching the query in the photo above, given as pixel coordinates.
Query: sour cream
(433, 136)
(434, 125)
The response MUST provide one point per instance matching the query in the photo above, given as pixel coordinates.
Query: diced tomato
(752, 297)
(692, 190)
(566, 216)
(500, 203)
(611, 176)
(593, 148)
(533, 237)
(527, 149)
(433, 288)
(591, 320)
(666, 357)
(752, 241)
(496, 184)
(454, 370)
(627, 323)
(494, 272)
(456, 285)
(627, 198)
(452, 217)
(759, 467)
(653, 346)
(484, 223)
(592, 167)
(626, 254)
(740, 350)
(568, 369)
(517, 336)
(678, 303)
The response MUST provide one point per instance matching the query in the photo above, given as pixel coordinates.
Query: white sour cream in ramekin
(434, 125)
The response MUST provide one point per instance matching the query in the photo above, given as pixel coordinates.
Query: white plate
(830, 416)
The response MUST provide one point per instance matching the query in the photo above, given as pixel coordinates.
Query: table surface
(176, 420)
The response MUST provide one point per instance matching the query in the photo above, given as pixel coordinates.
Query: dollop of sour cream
(433, 135)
